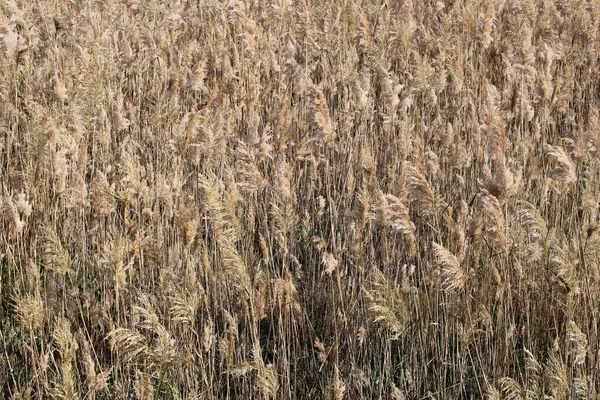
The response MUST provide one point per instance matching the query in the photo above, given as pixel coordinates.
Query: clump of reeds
(299, 199)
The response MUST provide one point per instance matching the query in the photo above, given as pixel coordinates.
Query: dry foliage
(299, 199)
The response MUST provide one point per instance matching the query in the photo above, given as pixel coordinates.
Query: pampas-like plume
(397, 393)
(196, 79)
(454, 278)
(393, 213)
(502, 182)
(95, 381)
(491, 393)
(330, 263)
(188, 222)
(133, 175)
(565, 170)
(360, 90)
(103, 194)
(30, 311)
(492, 220)
(9, 40)
(191, 150)
(389, 91)
(563, 268)
(56, 257)
(534, 371)
(267, 379)
(319, 115)
(183, 305)
(213, 188)
(235, 267)
(488, 25)
(386, 304)
(537, 229)
(227, 229)
(557, 375)
(163, 352)
(579, 342)
(10, 213)
(339, 387)
(242, 369)
(285, 295)
(113, 259)
(132, 346)
(23, 205)
(129, 345)
(121, 123)
(511, 389)
(320, 347)
(251, 178)
(227, 343)
(420, 191)
(67, 347)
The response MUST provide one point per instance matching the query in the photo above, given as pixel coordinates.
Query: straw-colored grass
(350, 199)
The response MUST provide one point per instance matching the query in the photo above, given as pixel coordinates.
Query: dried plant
(387, 305)
(454, 278)
(420, 192)
(299, 199)
(30, 311)
(319, 115)
(565, 170)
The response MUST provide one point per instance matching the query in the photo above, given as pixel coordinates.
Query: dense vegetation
(350, 199)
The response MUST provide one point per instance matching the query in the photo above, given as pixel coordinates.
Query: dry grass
(299, 199)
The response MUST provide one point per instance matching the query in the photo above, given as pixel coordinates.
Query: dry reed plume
(299, 199)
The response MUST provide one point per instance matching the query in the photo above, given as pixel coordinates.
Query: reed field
(300, 199)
